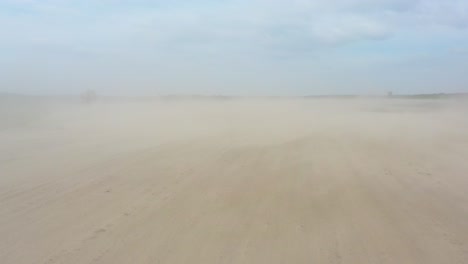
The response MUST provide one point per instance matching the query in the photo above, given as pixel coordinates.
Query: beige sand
(241, 181)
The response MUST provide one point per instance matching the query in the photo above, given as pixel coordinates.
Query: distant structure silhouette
(88, 96)
(390, 94)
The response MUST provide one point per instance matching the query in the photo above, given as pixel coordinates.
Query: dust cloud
(237, 180)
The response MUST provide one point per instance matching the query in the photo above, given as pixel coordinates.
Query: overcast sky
(237, 47)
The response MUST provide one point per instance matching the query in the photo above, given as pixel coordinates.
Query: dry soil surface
(235, 181)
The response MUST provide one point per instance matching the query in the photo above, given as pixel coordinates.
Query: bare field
(235, 181)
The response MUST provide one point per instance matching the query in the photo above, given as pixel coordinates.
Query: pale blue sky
(237, 47)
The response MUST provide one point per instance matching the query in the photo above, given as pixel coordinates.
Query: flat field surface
(234, 181)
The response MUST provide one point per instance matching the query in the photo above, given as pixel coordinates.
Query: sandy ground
(242, 181)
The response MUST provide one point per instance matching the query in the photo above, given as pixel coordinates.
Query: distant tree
(88, 96)
(390, 94)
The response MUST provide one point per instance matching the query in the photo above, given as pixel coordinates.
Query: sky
(233, 47)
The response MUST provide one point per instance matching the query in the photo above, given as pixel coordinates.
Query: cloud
(278, 39)
(252, 22)
(258, 24)
(347, 28)
(252, 26)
